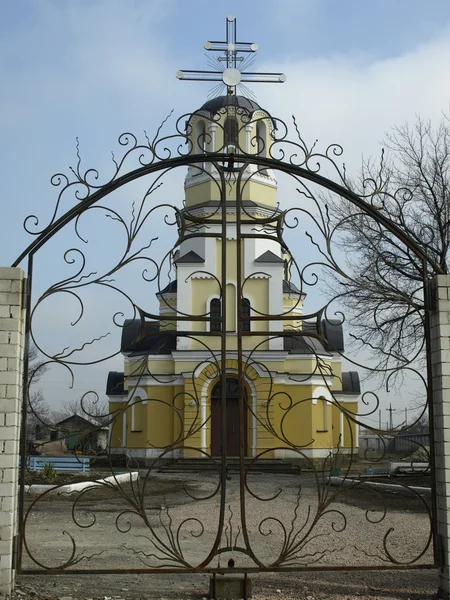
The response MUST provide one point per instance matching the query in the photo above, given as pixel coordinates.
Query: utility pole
(379, 419)
(406, 416)
(390, 410)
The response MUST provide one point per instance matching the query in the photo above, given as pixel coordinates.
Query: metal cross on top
(231, 75)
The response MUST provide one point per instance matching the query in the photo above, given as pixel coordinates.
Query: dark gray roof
(269, 257)
(171, 288)
(190, 257)
(304, 344)
(114, 384)
(334, 334)
(140, 339)
(214, 105)
(289, 287)
(350, 383)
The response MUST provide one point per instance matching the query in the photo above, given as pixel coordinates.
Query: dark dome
(216, 104)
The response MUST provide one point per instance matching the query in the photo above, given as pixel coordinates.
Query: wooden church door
(232, 429)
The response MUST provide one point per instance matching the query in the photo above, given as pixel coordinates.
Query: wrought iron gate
(233, 408)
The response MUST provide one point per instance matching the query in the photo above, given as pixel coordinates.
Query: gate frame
(437, 332)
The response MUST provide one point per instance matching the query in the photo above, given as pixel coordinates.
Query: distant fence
(402, 443)
(406, 443)
(59, 463)
(372, 443)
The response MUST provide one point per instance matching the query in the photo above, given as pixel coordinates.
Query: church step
(193, 465)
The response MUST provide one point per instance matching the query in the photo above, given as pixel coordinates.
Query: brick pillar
(440, 369)
(11, 347)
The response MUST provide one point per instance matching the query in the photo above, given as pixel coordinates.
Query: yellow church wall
(307, 425)
(201, 291)
(266, 194)
(192, 418)
(230, 320)
(322, 424)
(336, 423)
(161, 367)
(201, 193)
(116, 409)
(160, 423)
(140, 368)
(255, 289)
(336, 368)
(291, 305)
(296, 427)
(178, 414)
(231, 259)
(299, 365)
(265, 441)
(167, 324)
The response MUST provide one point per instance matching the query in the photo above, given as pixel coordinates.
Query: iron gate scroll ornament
(232, 149)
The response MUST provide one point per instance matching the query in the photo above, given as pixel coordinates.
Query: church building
(232, 310)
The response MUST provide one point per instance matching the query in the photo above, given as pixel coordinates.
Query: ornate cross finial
(230, 67)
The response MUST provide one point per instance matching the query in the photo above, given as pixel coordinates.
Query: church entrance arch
(232, 437)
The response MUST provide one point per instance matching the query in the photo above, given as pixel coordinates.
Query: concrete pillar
(11, 348)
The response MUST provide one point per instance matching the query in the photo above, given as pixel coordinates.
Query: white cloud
(355, 100)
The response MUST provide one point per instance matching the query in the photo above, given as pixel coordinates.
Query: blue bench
(59, 463)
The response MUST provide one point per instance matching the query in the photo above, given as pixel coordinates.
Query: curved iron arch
(260, 161)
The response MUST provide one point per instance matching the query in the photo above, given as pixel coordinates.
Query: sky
(92, 69)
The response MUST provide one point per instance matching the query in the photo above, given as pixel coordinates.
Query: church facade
(231, 327)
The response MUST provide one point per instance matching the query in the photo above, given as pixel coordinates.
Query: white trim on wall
(149, 380)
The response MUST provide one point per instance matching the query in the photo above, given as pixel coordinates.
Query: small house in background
(79, 434)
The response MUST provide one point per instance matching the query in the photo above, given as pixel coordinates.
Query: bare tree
(384, 293)
(38, 411)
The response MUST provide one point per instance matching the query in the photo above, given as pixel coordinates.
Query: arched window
(137, 414)
(230, 132)
(324, 419)
(200, 137)
(261, 138)
(215, 309)
(200, 142)
(245, 311)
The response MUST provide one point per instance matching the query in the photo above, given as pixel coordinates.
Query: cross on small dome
(231, 67)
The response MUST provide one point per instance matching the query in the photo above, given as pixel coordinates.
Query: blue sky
(96, 68)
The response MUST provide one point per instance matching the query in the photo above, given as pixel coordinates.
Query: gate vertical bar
(242, 408)
(428, 303)
(23, 426)
(223, 354)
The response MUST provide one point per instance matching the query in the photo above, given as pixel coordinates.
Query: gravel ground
(352, 533)
(383, 585)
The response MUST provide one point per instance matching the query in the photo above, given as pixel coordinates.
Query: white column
(440, 357)
(248, 137)
(11, 348)
(212, 132)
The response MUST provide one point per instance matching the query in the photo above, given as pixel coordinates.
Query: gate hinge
(15, 552)
(25, 290)
(440, 550)
(431, 292)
